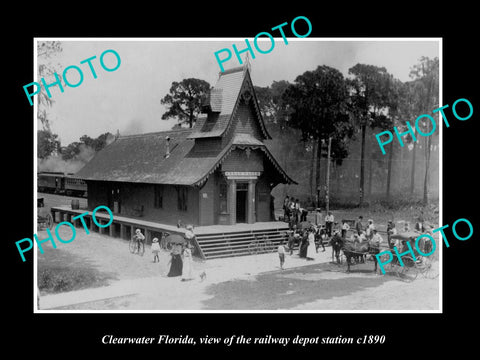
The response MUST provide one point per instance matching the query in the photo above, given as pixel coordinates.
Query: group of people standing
(181, 258)
(293, 212)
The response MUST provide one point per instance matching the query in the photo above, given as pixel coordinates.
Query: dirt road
(240, 283)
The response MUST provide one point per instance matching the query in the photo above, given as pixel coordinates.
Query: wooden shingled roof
(224, 99)
(142, 158)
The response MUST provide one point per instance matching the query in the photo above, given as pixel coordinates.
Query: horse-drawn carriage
(408, 267)
(355, 252)
(44, 217)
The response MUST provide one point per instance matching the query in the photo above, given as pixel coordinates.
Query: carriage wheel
(429, 273)
(49, 221)
(409, 270)
(132, 246)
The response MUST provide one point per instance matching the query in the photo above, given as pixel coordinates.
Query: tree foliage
(272, 103)
(185, 100)
(46, 53)
(318, 106)
(76, 148)
(47, 143)
(373, 95)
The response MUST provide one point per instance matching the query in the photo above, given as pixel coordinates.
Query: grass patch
(58, 271)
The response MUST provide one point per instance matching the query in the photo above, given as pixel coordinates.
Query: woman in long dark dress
(176, 263)
(303, 246)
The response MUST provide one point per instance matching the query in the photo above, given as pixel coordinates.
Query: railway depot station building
(217, 176)
(218, 172)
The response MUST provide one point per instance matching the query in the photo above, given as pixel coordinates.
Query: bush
(55, 280)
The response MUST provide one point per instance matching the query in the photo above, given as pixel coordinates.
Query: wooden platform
(213, 241)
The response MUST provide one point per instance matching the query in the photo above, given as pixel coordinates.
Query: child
(281, 254)
(155, 250)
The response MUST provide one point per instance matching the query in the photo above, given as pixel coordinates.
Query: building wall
(135, 197)
(262, 200)
(239, 161)
(207, 201)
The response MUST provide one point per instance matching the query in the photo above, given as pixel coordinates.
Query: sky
(128, 99)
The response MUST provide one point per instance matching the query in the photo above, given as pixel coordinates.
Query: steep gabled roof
(224, 99)
(141, 158)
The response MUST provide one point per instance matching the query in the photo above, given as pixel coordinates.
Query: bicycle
(137, 246)
(260, 245)
(165, 245)
(411, 268)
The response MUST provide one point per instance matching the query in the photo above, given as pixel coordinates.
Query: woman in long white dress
(311, 250)
(187, 271)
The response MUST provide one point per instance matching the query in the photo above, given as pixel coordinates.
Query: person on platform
(303, 214)
(297, 210)
(286, 209)
(292, 211)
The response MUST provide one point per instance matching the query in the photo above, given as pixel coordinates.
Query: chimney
(167, 145)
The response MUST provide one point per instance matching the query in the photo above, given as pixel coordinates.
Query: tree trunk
(370, 177)
(389, 170)
(412, 172)
(317, 172)
(427, 169)
(312, 170)
(362, 164)
(327, 192)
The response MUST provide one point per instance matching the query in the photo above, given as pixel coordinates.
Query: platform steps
(240, 243)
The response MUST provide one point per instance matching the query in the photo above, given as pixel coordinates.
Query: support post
(232, 187)
(251, 202)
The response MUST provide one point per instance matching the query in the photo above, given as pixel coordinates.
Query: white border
(212, 39)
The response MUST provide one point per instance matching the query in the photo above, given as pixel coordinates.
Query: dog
(203, 275)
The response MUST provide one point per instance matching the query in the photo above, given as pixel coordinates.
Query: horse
(355, 250)
(337, 244)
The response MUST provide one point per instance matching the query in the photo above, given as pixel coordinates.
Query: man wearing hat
(140, 238)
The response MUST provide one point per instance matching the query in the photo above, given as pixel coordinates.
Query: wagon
(410, 266)
(44, 217)
(356, 253)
